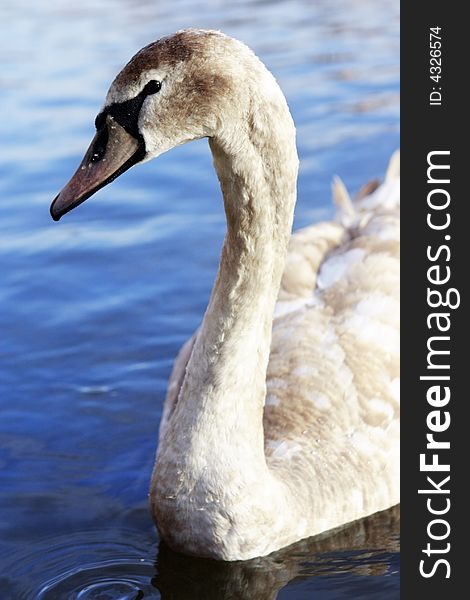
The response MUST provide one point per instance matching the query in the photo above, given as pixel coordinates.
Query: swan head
(193, 84)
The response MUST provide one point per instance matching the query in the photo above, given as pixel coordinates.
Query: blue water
(94, 309)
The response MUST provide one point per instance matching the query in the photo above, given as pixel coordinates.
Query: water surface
(94, 309)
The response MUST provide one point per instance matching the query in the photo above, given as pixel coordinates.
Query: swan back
(332, 404)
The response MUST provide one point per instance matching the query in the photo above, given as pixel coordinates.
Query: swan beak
(112, 151)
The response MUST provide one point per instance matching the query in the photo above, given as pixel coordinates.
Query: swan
(281, 417)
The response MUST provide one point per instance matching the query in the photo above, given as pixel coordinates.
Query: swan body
(281, 418)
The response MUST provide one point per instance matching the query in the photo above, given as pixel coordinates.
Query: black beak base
(112, 152)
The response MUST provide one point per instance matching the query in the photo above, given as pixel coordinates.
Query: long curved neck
(223, 393)
(212, 450)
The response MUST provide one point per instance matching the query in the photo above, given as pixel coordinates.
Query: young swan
(281, 420)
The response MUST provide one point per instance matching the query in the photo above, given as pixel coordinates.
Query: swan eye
(153, 86)
(126, 113)
(100, 120)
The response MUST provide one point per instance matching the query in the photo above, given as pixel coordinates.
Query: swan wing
(332, 401)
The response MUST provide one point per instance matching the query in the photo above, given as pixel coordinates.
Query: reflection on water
(360, 558)
(347, 560)
(93, 311)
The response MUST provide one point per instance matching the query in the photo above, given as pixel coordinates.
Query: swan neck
(212, 449)
(227, 370)
(223, 393)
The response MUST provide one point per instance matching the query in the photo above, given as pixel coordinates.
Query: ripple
(104, 590)
(86, 565)
(108, 580)
(95, 390)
